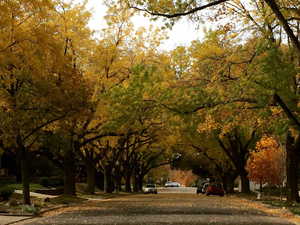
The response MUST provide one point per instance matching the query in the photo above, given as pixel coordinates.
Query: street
(163, 208)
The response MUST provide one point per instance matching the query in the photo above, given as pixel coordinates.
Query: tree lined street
(82, 116)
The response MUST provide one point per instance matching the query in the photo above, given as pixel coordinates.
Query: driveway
(168, 208)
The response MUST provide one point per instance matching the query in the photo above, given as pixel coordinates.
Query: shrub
(44, 181)
(6, 192)
(51, 181)
(30, 209)
(275, 191)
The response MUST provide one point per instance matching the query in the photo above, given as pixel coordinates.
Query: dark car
(215, 189)
(201, 188)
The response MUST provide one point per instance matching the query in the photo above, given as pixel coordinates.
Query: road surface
(164, 208)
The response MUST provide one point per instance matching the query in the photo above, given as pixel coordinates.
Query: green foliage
(134, 101)
(30, 209)
(275, 191)
(6, 192)
(276, 72)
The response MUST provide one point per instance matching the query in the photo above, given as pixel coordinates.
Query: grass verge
(33, 187)
(66, 199)
(293, 207)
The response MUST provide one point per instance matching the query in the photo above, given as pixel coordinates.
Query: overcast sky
(181, 34)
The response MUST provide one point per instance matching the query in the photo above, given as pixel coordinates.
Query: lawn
(293, 207)
(33, 187)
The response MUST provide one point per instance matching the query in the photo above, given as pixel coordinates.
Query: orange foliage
(185, 178)
(266, 164)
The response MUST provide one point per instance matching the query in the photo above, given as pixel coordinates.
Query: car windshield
(150, 185)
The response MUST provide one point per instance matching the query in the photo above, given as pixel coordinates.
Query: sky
(182, 33)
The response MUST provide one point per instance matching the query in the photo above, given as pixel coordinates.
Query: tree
(266, 164)
(174, 10)
(169, 9)
(38, 75)
(23, 77)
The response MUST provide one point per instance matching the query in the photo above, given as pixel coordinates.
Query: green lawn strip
(102, 195)
(66, 199)
(33, 187)
(293, 207)
(273, 201)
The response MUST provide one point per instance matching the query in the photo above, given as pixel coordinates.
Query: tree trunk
(18, 170)
(100, 180)
(25, 176)
(128, 183)
(91, 176)
(228, 183)
(224, 182)
(135, 183)
(108, 179)
(69, 173)
(118, 178)
(260, 187)
(118, 183)
(141, 182)
(245, 182)
(292, 160)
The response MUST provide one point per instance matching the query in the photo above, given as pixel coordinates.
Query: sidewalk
(5, 220)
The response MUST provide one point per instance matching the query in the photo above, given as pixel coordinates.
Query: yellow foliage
(208, 125)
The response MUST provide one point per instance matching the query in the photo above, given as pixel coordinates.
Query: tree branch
(287, 111)
(89, 140)
(274, 7)
(42, 126)
(210, 105)
(181, 13)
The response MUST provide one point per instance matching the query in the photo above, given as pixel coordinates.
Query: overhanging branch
(174, 15)
(287, 111)
(210, 105)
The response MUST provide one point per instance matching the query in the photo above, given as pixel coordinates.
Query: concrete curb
(19, 220)
(15, 215)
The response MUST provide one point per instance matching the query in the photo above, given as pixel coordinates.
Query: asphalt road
(174, 190)
(165, 208)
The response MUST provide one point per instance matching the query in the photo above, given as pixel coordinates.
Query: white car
(150, 188)
(172, 184)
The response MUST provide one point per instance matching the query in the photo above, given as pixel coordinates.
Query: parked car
(172, 184)
(214, 189)
(201, 188)
(150, 188)
(205, 187)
